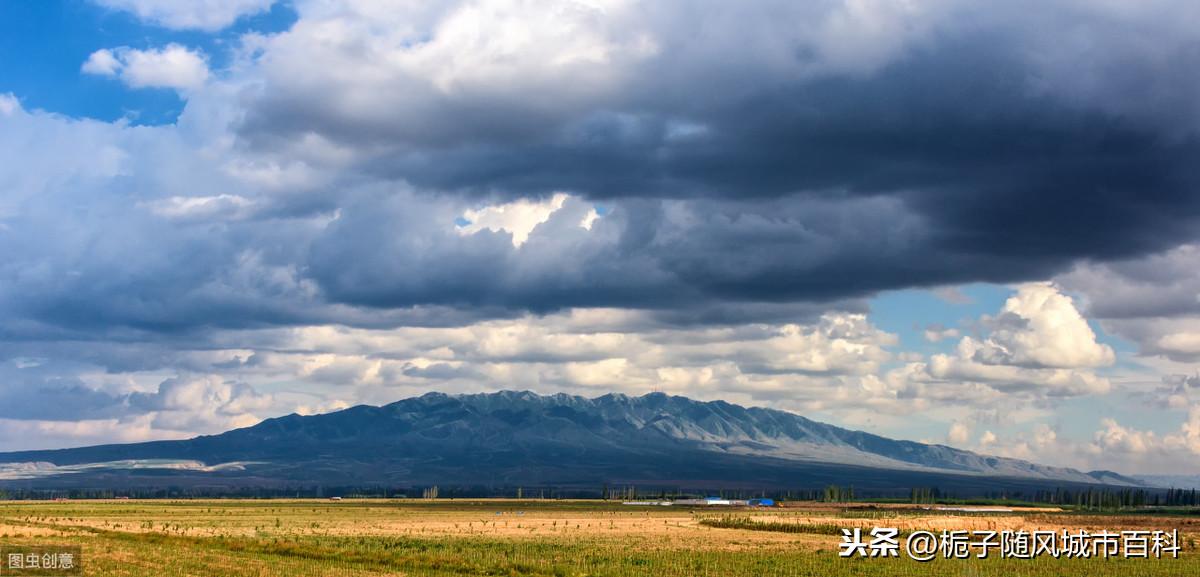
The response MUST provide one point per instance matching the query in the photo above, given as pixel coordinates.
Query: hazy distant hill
(1171, 481)
(520, 438)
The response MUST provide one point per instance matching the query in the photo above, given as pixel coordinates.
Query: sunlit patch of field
(505, 537)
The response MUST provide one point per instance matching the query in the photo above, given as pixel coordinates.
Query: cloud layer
(697, 197)
(870, 147)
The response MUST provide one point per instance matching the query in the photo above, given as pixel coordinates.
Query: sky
(954, 221)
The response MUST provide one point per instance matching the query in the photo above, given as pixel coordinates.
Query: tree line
(1090, 498)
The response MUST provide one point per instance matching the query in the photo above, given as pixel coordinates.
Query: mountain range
(511, 438)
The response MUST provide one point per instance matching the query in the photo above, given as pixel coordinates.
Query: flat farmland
(538, 538)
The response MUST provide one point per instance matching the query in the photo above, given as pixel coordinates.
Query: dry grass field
(535, 538)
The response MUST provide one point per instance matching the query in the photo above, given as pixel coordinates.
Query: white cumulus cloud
(959, 433)
(9, 104)
(208, 15)
(1038, 346)
(173, 66)
(1040, 327)
(102, 62)
(519, 218)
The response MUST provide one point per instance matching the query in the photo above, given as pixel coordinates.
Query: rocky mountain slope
(511, 438)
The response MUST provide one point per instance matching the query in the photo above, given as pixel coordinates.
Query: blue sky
(212, 216)
(908, 312)
(43, 44)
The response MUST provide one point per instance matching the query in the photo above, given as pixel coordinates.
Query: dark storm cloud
(54, 399)
(954, 161)
(1163, 285)
(753, 161)
(645, 254)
